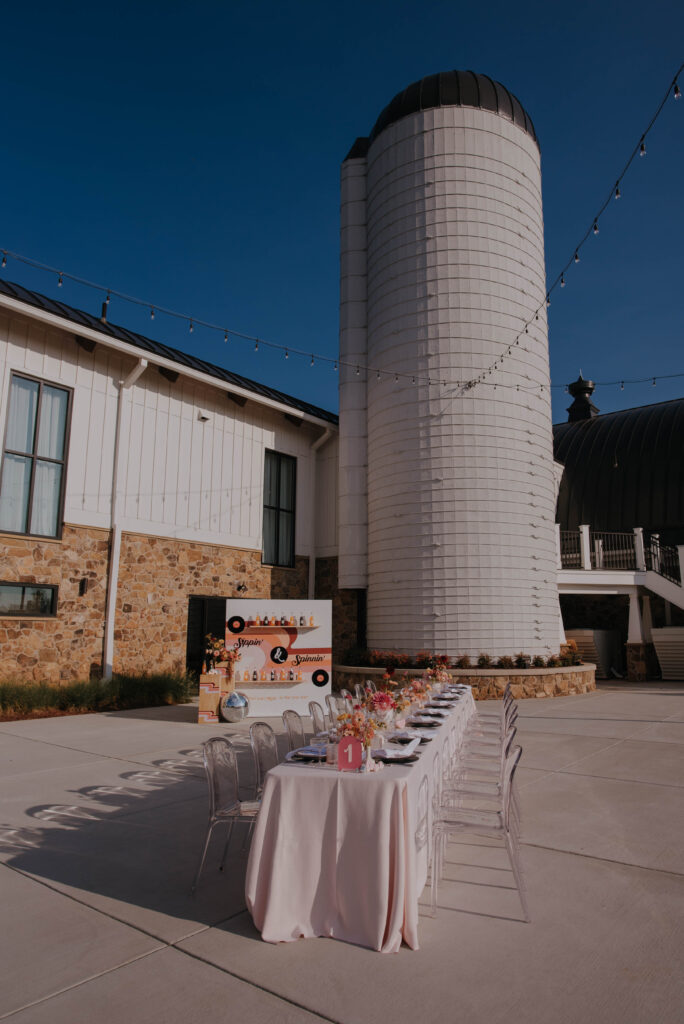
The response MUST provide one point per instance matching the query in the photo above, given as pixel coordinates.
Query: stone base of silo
(489, 684)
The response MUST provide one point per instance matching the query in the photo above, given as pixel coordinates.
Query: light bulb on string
(677, 93)
(357, 371)
(60, 282)
(377, 375)
(577, 257)
(562, 281)
(617, 191)
(256, 345)
(225, 338)
(548, 300)
(287, 354)
(335, 366)
(654, 383)
(151, 312)
(622, 385)
(596, 229)
(192, 327)
(642, 148)
(107, 299)
(396, 378)
(4, 260)
(312, 359)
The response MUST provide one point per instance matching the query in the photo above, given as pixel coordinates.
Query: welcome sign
(285, 653)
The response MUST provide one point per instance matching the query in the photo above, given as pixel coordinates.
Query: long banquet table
(334, 853)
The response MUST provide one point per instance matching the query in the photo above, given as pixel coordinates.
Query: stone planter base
(489, 683)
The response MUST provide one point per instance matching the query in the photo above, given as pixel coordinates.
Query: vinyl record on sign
(236, 624)
(320, 677)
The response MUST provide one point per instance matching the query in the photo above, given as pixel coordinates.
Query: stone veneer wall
(158, 575)
(70, 645)
(344, 608)
(489, 684)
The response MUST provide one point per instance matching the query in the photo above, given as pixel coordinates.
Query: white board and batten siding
(179, 476)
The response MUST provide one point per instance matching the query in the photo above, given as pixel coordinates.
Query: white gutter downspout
(314, 446)
(115, 548)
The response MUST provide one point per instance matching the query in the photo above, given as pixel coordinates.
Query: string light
(225, 338)
(639, 149)
(335, 366)
(287, 354)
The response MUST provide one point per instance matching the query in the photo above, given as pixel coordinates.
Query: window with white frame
(280, 479)
(34, 457)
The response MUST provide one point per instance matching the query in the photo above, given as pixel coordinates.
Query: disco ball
(233, 707)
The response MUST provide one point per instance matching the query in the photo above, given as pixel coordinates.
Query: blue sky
(190, 155)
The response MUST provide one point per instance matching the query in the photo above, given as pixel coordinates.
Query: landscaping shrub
(125, 690)
(484, 660)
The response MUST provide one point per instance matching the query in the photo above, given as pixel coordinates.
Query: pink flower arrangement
(357, 724)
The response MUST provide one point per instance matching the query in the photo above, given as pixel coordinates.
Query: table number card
(349, 754)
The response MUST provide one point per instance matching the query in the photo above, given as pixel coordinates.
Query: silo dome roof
(454, 89)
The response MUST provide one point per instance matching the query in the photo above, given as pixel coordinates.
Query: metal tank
(446, 507)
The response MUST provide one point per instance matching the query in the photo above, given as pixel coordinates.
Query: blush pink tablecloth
(334, 854)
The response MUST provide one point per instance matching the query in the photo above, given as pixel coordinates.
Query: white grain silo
(447, 495)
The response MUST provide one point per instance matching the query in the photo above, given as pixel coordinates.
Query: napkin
(399, 750)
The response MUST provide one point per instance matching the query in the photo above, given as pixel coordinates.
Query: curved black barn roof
(624, 469)
(449, 89)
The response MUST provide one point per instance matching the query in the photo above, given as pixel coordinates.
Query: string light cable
(558, 282)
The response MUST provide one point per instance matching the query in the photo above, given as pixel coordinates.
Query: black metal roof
(449, 89)
(83, 319)
(624, 469)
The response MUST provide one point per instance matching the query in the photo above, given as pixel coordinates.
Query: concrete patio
(101, 825)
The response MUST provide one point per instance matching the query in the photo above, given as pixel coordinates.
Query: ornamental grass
(122, 692)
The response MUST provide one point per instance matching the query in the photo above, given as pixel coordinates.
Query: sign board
(285, 650)
(350, 754)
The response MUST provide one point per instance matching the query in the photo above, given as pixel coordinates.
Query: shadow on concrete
(130, 849)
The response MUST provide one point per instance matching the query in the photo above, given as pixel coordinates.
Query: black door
(205, 615)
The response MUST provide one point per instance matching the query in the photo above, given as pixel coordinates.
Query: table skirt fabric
(334, 853)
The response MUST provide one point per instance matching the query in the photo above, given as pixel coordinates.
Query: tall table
(335, 853)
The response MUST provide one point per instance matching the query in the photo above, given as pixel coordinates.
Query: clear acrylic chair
(318, 719)
(422, 833)
(452, 819)
(225, 806)
(346, 695)
(360, 691)
(370, 685)
(336, 706)
(265, 752)
(294, 727)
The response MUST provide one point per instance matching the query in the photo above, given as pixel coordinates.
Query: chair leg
(210, 828)
(225, 848)
(511, 847)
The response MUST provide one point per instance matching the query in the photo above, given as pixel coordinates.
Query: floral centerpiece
(382, 706)
(358, 724)
(216, 653)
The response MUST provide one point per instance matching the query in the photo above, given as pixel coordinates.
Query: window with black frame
(280, 473)
(28, 599)
(34, 457)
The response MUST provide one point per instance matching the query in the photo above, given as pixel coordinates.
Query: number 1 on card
(349, 754)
